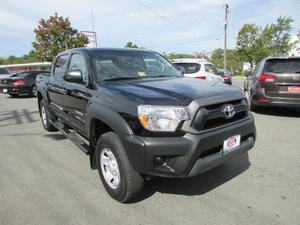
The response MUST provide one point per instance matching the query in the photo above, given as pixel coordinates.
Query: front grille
(212, 116)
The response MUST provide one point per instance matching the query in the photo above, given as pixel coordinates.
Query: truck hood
(170, 91)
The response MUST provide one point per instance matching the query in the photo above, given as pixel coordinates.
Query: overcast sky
(182, 26)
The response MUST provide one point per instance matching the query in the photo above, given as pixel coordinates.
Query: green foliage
(233, 59)
(280, 36)
(171, 56)
(247, 42)
(131, 45)
(54, 36)
(28, 58)
(255, 43)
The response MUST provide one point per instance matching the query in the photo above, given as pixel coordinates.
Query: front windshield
(114, 65)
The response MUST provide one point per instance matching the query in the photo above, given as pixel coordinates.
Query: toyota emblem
(228, 111)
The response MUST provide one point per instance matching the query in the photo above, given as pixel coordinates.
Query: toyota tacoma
(136, 117)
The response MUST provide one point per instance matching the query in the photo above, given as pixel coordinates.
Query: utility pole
(225, 36)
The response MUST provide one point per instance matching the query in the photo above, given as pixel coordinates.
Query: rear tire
(45, 116)
(121, 181)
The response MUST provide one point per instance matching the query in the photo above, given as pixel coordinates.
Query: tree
(247, 42)
(179, 56)
(280, 41)
(233, 59)
(55, 35)
(27, 58)
(131, 45)
(254, 42)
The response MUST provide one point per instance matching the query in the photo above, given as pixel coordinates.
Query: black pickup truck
(137, 117)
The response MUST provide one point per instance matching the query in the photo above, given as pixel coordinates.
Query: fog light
(159, 160)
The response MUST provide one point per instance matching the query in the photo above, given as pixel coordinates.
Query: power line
(159, 15)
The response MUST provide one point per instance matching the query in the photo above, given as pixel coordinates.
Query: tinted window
(44, 74)
(189, 67)
(211, 68)
(283, 66)
(3, 71)
(21, 75)
(60, 66)
(132, 64)
(78, 62)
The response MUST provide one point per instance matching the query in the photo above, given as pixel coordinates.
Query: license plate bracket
(231, 143)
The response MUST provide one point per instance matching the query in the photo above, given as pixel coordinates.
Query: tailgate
(287, 82)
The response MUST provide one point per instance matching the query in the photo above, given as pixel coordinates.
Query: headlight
(161, 118)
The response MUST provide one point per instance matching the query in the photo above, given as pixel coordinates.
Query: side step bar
(79, 141)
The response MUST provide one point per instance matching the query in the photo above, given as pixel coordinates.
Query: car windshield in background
(283, 66)
(210, 68)
(189, 67)
(122, 65)
(3, 71)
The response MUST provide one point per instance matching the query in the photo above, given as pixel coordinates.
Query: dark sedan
(22, 83)
(275, 82)
(226, 76)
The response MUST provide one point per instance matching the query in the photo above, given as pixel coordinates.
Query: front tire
(45, 116)
(121, 181)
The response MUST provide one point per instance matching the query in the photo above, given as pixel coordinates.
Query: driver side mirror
(73, 76)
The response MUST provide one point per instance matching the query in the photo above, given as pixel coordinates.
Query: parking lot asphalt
(45, 179)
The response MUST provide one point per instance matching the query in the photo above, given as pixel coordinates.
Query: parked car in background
(21, 83)
(236, 71)
(226, 75)
(4, 73)
(274, 82)
(42, 76)
(198, 68)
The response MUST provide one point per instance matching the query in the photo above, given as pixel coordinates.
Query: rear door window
(189, 67)
(283, 66)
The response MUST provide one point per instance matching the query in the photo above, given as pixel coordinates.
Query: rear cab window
(189, 67)
(283, 66)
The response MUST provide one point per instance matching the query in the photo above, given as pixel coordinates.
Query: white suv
(198, 68)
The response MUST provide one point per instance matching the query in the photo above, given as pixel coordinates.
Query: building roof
(27, 64)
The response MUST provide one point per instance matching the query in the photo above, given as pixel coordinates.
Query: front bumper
(187, 155)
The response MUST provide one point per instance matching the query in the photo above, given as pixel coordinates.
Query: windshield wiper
(122, 78)
(159, 76)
